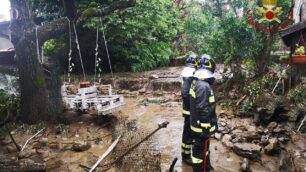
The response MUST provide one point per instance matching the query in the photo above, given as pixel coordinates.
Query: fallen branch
(171, 169)
(301, 124)
(8, 119)
(23, 147)
(105, 154)
(11, 136)
(240, 100)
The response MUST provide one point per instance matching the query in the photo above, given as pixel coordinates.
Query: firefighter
(203, 120)
(187, 77)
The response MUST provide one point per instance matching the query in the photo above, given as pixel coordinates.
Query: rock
(247, 150)
(279, 130)
(251, 136)
(26, 153)
(220, 129)
(264, 140)
(266, 131)
(5, 142)
(154, 76)
(251, 128)
(80, 146)
(244, 165)
(225, 131)
(142, 91)
(260, 130)
(223, 124)
(11, 149)
(283, 140)
(226, 141)
(44, 141)
(272, 126)
(218, 136)
(236, 140)
(272, 147)
(269, 106)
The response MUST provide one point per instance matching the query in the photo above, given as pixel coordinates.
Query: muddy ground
(151, 98)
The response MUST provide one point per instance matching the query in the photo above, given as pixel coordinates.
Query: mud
(169, 140)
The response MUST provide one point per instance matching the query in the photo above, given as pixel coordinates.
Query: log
(24, 165)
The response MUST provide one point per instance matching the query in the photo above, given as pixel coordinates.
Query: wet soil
(169, 139)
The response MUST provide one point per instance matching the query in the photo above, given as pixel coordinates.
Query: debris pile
(268, 129)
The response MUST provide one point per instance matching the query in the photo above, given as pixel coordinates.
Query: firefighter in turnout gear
(203, 120)
(187, 77)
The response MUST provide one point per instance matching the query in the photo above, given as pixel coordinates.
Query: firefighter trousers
(186, 139)
(200, 155)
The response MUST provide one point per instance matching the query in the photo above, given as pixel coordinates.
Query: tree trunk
(40, 94)
(264, 57)
(35, 103)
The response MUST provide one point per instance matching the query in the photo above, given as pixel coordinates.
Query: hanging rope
(70, 64)
(37, 45)
(105, 42)
(79, 50)
(97, 59)
(96, 54)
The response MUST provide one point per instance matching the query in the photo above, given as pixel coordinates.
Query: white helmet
(188, 71)
(203, 74)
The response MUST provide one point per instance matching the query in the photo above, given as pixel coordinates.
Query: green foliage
(140, 37)
(9, 102)
(257, 87)
(46, 10)
(284, 58)
(225, 33)
(54, 47)
(89, 12)
(298, 94)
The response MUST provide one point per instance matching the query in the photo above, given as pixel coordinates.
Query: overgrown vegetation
(140, 38)
(9, 102)
(297, 94)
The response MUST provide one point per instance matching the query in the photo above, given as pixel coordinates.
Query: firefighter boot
(186, 159)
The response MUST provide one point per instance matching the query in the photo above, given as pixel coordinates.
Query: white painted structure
(89, 98)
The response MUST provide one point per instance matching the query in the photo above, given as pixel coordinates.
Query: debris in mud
(8, 165)
(80, 146)
(245, 165)
(272, 148)
(247, 150)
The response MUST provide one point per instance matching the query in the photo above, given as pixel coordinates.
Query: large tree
(40, 96)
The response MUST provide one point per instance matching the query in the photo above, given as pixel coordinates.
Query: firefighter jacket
(202, 108)
(186, 83)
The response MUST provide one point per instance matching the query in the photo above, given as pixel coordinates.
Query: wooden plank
(105, 154)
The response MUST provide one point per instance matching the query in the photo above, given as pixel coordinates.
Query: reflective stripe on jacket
(202, 107)
(186, 82)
